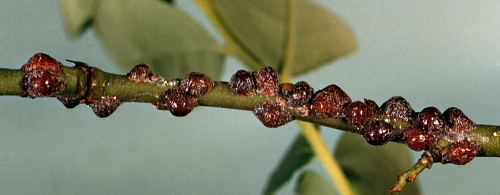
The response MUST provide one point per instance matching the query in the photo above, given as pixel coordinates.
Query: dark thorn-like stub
(105, 106)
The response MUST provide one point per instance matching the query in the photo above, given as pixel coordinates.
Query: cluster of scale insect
(429, 125)
(264, 82)
(182, 100)
(43, 77)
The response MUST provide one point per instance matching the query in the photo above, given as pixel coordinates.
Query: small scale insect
(41, 83)
(461, 152)
(379, 133)
(178, 103)
(457, 121)
(326, 105)
(267, 82)
(41, 61)
(242, 83)
(196, 84)
(105, 106)
(271, 114)
(142, 73)
(299, 94)
(431, 120)
(417, 139)
(358, 114)
(397, 107)
(337, 90)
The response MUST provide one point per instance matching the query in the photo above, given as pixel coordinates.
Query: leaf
(78, 14)
(296, 157)
(373, 170)
(259, 29)
(156, 34)
(310, 183)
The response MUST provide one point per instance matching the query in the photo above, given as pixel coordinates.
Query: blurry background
(439, 54)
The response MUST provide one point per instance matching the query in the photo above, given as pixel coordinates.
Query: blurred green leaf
(156, 34)
(259, 28)
(78, 14)
(310, 183)
(296, 157)
(373, 170)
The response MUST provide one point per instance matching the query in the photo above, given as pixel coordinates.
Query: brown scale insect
(430, 119)
(326, 105)
(178, 103)
(267, 82)
(417, 139)
(105, 106)
(41, 83)
(460, 152)
(397, 107)
(457, 121)
(271, 114)
(142, 73)
(242, 83)
(299, 94)
(337, 90)
(196, 84)
(41, 61)
(358, 114)
(378, 133)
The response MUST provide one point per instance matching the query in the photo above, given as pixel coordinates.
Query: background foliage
(432, 52)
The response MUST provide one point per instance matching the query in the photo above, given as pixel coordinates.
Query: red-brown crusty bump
(196, 84)
(271, 114)
(41, 83)
(41, 61)
(242, 83)
(178, 103)
(267, 82)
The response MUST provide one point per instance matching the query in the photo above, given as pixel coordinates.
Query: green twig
(108, 84)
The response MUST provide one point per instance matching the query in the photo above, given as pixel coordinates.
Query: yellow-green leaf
(78, 14)
(310, 183)
(159, 35)
(259, 31)
(152, 32)
(373, 170)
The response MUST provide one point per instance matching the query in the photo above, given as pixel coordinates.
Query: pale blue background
(444, 54)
